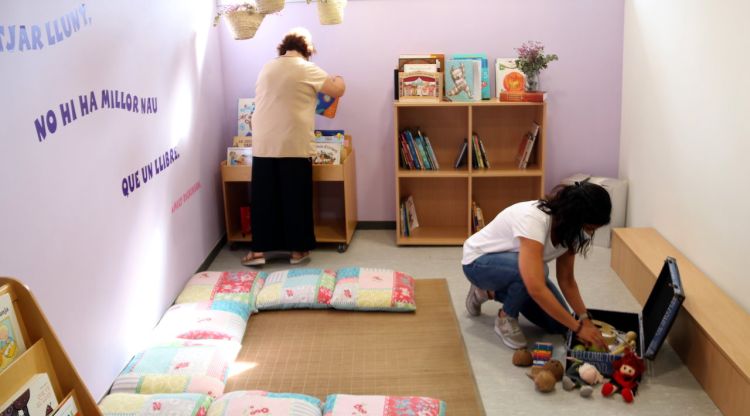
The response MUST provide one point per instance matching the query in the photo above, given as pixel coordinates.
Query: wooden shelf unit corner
(443, 197)
(334, 200)
(44, 354)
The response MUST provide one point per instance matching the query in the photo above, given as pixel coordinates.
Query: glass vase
(532, 81)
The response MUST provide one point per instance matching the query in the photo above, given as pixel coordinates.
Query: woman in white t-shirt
(283, 122)
(507, 261)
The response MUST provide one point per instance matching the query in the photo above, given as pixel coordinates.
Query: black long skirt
(282, 204)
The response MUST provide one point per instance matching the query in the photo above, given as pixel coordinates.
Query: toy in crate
(642, 333)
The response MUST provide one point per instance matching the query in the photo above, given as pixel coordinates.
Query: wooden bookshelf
(43, 354)
(334, 200)
(443, 197)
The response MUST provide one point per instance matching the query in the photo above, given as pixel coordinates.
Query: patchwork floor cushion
(198, 321)
(241, 403)
(347, 405)
(184, 404)
(297, 288)
(225, 291)
(168, 383)
(369, 289)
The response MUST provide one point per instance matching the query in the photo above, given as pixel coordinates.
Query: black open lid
(662, 307)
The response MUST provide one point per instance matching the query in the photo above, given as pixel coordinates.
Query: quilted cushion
(184, 404)
(347, 405)
(225, 291)
(198, 321)
(241, 403)
(211, 360)
(297, 288)
(168, 383)
(360, 288)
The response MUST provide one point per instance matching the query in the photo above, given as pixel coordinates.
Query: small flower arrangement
(224, 10)
(531, 60)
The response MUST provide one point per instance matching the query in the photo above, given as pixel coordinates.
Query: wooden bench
(712, 332)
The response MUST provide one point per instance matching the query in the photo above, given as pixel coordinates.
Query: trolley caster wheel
(342, 248)
(233, 246)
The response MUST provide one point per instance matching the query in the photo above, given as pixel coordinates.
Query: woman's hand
(591, 335)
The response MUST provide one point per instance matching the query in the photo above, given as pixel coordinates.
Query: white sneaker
(509, 331)
(474, 300)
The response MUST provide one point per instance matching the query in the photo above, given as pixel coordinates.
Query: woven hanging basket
(244, 23)
(331, 12)
(270, 6)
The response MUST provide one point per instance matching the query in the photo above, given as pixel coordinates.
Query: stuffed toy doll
(625, 377)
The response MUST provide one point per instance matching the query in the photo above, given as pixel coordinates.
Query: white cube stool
(618, 193)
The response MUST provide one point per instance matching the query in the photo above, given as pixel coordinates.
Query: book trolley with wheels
(43, 354)
(334, 201)
(443, 198)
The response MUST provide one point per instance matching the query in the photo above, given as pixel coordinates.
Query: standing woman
(507, 261)
(283, 123)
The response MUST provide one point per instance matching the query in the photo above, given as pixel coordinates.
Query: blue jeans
(499, 272)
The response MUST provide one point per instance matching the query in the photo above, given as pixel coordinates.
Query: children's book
(12, 343)
(437, 59)
(463, 80)
(461, 158)
(326, 105)
(237, 156)
(328, 149)
(523, 96)
(411, 212)
(421, 67)
(508, 77)
(68, 407)
(242, 141)
(35, 398)
(419, 85)
(245, 112)
(485, 71)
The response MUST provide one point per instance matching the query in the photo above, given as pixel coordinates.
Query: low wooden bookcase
(443, 197)
(334, 201)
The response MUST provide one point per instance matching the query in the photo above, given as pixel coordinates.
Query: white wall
(685, 141)
(105, 266)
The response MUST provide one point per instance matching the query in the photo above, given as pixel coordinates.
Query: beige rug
(321, 352)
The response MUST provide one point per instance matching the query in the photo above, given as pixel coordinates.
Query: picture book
(485, 71)
(419, 86)
(245, 112)
(242, 141)
(463, 80)
(421, 67)
(68, 407)
(239, 156)
(437, 59)
(34, 398)
(328, 149)
(507, 76)
(12, 344)
(411, 212)
(461, 158)
(523, 96)
(326, 105)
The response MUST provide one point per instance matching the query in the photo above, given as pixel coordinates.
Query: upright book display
(449, 191)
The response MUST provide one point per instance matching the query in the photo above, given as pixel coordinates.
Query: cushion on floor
(241, 403)
(183, 404)
(297, 288)
(368, 289)
(211, 360)
(225, 291)
(198, 321)
(168, 383)
(347, 405)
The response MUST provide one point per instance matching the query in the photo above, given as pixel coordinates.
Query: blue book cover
(482, 58)
(412, 149)
(463, 80)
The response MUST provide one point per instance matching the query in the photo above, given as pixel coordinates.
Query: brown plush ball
(522, 358)
(556, 368)
(545, 381)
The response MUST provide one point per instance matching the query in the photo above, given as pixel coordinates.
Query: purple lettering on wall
(132, 181)
(24, 37)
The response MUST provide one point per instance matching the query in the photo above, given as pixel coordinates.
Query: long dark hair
(292, 42)
(573, 206)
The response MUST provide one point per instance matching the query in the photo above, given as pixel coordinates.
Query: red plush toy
(625, 378)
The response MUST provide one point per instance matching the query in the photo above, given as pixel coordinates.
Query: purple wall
(585, 84)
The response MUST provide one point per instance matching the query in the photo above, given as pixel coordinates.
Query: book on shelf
(411, 213)
(430, 151)
(68, 407)
(480, 156)
(484, 71)
(12, 342)
(526, 146)
(245, 111)
(326, 105)
(523, 96)
(482, 152)
(242, 141)
(421, 67)
(508, 77)
(404, 220)
(416, 151)
(461, 157)
(477, 217)
(328, 149)
(239, 156)
(419, 86)
(463, 80)
(437, 59)
(35, 398)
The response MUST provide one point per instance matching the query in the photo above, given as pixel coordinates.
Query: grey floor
(668, 388)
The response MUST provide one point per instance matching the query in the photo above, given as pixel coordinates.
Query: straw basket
(244, 23)
(331, 12)
(270, 6)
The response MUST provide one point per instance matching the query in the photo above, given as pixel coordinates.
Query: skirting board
(702, 334)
